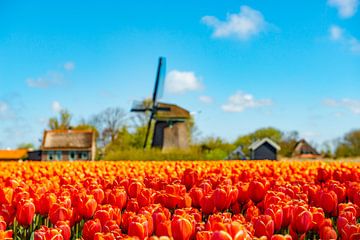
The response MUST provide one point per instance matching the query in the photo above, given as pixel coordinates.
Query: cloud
(181, 82)
(56, 106)
(51, 78)
(3, 107)
(69, 66)
(242, 26)
(241, 101)
(206, 99)
(338, 34)
(352, 105)
(346, 8)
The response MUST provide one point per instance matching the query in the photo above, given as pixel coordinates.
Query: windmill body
(171, 130)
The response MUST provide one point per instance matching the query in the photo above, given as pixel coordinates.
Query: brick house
(68, 145)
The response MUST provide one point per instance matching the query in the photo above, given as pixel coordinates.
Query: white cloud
(180, 82)
(346, 8)
(338, 34)
(56, 106)
(352, 105)
(51, 78)
(243, 25)
(206, 99)
(241, 101)
(3, 107)
(69, 66)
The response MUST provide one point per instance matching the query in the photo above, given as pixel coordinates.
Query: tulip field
(202, 200)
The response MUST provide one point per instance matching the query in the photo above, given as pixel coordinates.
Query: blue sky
(237, 65)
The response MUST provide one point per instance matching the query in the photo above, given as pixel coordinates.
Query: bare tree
(108, 123)
(63, 122)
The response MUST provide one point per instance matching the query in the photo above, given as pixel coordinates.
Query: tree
(349, 146)
(246, 140)
(108, 123)
(63, 122)
(26, 146)
(288, 142)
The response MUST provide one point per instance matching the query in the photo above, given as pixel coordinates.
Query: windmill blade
(159, 81)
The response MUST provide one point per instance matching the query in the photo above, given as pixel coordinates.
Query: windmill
(170, 130)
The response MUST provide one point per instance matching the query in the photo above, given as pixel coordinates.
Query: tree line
(121, 136)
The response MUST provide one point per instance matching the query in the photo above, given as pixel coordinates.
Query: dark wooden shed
(264, 149)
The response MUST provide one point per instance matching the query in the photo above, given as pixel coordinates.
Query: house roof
(68, 139)
(13, 154)
(258, 143)
(175, 113)
(303, 147)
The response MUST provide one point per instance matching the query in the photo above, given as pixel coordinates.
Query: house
(264, 149)
(13, 155)
(237, 154)
(171, 130)
(68, 145)
(303, 150)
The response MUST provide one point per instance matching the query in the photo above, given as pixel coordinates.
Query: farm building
(13, 155)
(171, 130)
(303, 149)
(237, 154)
(68, 145)
(264, 149)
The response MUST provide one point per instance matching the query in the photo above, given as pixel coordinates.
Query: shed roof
(68, 139)
(13, 154)
(258, 143)
(174, 113)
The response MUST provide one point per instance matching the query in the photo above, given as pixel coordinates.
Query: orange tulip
(6, 235)
(181, 228)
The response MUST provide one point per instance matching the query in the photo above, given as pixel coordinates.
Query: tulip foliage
(201, 200)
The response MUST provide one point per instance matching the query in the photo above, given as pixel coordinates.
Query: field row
(180, 200)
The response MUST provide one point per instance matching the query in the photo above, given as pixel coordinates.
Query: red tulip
(25, 213)
(91, 227)
(45, 233)
(256, 191)
(59, 213)
(327, 233)
(2, 224)
(328, 201)
(220, 235)
(64, 228)
(302, 220)
(88, 208)
(134, 189)
(45, 203)
(138, 227)
(118, 198)
(98, 194)
(264, 226)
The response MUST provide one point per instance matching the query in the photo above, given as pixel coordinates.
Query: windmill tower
(170, 129)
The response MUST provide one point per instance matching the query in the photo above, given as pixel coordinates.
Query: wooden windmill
(170, 129)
